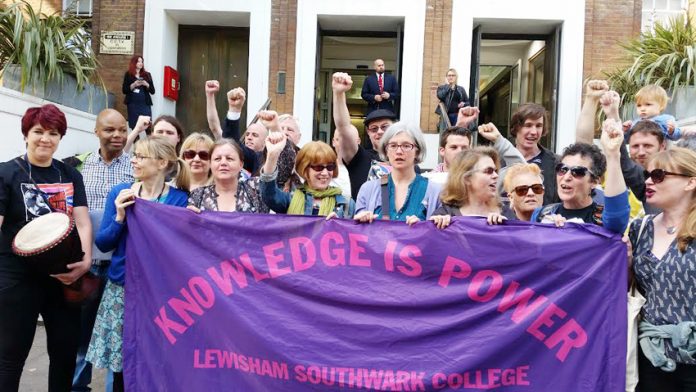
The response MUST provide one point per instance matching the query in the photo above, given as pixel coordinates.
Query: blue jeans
(83, 369)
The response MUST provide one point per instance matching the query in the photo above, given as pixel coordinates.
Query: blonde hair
(158, 147)
(680, 160)
(193, 139)
(518, 169)
(456, 192)
(314, 153)
(653, 92)
(456, 74)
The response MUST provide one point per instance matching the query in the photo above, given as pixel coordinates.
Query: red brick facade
(606, 24)
(121, 15)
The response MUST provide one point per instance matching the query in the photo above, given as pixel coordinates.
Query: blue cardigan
(112, 235)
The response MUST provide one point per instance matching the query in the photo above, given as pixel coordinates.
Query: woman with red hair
(137, 87)
(31, 186)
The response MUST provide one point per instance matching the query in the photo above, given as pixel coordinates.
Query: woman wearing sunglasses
(472, 188)
(524, 185)
(578, 173)
(316, 165)
(403, 195)
(230, 190)
(664, 256)
(195, 151)
(154, 158)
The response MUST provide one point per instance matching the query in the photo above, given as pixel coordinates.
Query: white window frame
(651, 14)
(78, 3)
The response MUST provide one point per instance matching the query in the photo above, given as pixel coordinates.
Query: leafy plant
(45, 47)
(665, 56)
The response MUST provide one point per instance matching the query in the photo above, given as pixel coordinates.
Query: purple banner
(243, 302)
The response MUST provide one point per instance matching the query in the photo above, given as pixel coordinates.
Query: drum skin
(49, 243)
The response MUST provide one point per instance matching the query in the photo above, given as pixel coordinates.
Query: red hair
(48, 116)
(133, 63)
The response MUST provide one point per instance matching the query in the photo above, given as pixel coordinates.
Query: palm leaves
(665, 56)
(45, 47)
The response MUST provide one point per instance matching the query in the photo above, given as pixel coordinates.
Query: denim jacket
(279, 201)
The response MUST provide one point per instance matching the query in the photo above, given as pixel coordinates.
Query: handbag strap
(386, 205)
(643, 221)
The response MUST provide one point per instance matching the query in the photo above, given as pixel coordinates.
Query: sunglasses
(318, 168)
(575, 171)
(190, 154)
(658, 175)
(488, 171)
(522, 190)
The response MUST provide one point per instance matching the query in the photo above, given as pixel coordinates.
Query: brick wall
(436, 53)
(109, 15)
(607, 23)
(283, 35)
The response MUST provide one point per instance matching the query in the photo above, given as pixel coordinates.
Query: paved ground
(35, 375)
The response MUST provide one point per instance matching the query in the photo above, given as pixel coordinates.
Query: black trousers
(652, 379)
(20, 305)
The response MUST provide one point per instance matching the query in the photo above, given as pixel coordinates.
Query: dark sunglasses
(330, 167)
(190, 154)
(658, 175)
(489, 170)
(575, 171)
(522, 190)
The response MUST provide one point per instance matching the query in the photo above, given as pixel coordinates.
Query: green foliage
(665, 56)
(45, 47)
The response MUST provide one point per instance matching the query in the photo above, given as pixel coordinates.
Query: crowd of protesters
(649, 185)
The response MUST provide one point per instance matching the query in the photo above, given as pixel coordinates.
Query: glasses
(575, 171)
(319, 168)
(488, 170)
(139, 157)
(190, 154)
(523, 190)
(406, 147)
(376, 128)
(658, 175)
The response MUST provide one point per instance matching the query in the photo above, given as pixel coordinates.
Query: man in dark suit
(380, 90)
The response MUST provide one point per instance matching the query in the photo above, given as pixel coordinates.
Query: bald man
(101, 170)
(380, 90)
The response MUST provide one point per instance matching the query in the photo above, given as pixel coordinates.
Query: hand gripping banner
(244, 302)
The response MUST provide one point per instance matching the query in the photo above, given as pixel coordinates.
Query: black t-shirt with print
(359, 168)
(20, 202)
(586, 214)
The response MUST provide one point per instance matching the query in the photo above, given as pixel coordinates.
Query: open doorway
(351, 44)
(509, 69)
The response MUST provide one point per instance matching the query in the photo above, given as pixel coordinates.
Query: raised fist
(595, 88)
(212, 87)
(466, 115)
(269, 119)
(341, 82)
(489, 131)
(610, 102)
(612, 136)
(236, 98)
(275, 143)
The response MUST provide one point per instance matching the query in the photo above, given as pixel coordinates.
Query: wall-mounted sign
(117, 42)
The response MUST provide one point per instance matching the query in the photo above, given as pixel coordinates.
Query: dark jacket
(128, 80)
(548, 170)
(371, 88)
(446, 95)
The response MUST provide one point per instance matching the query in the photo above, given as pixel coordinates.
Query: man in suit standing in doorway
(380, 90)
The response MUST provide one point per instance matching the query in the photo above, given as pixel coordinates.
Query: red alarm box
(171, 83)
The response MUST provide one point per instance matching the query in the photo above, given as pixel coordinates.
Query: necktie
(381, 83)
